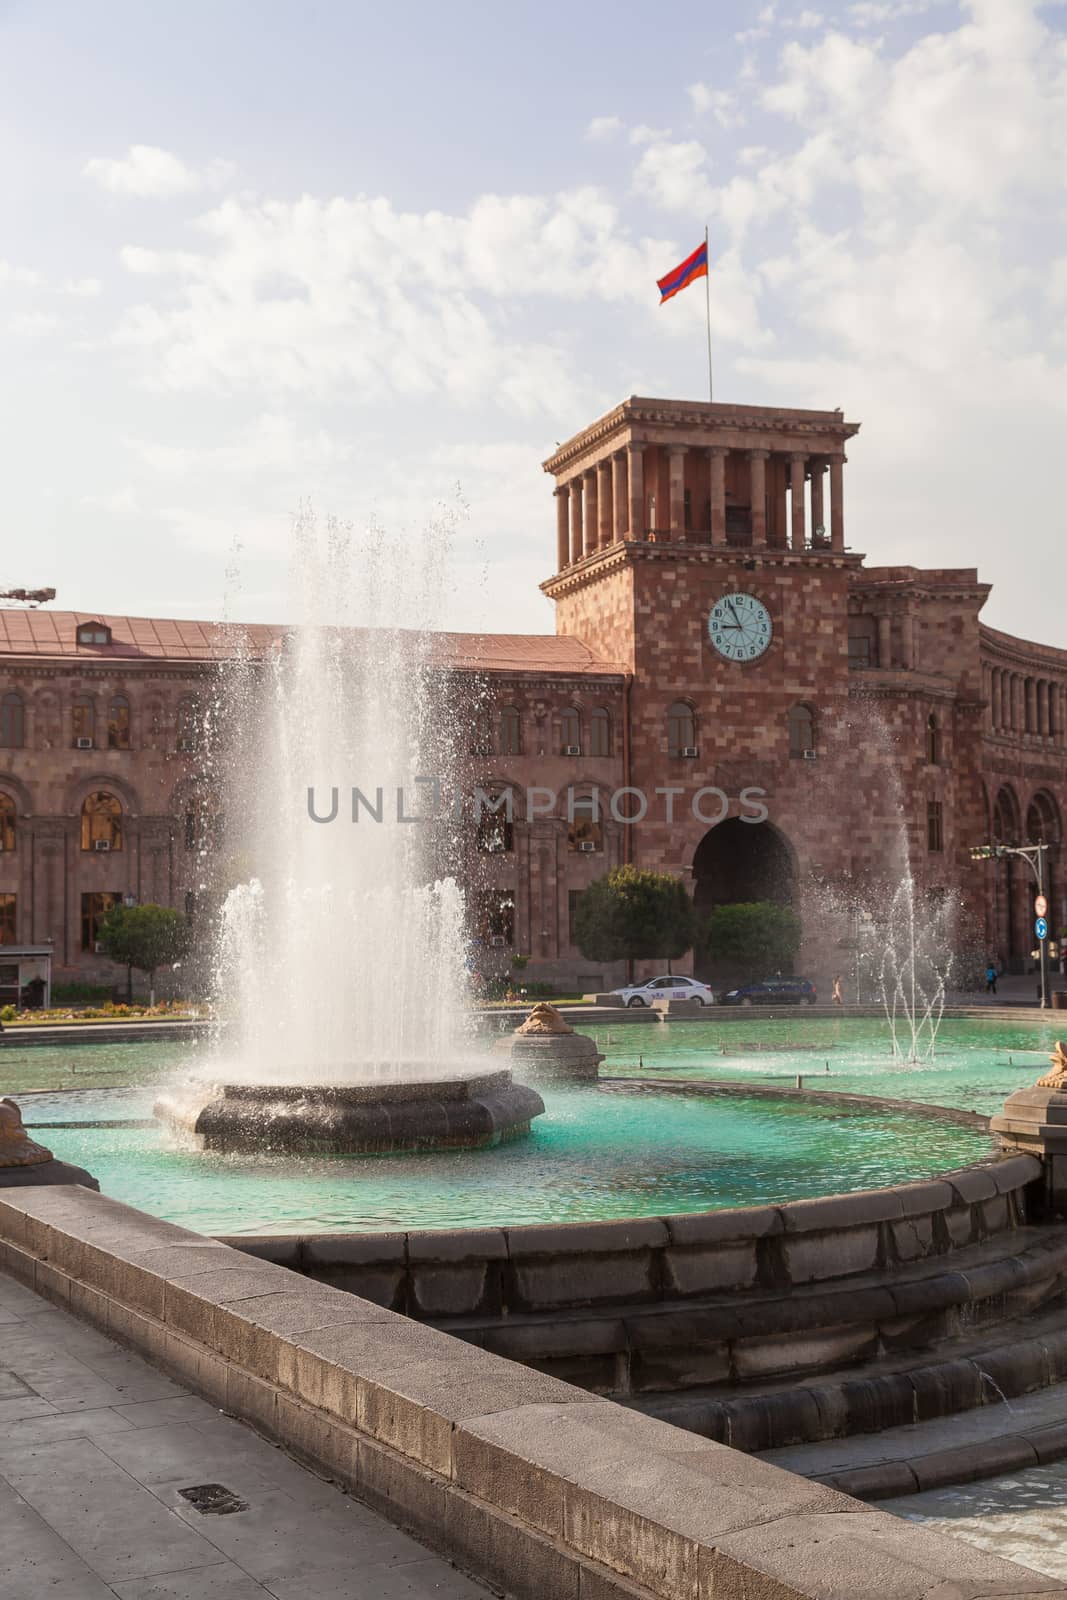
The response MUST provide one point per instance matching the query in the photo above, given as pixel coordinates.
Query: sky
(257, 255)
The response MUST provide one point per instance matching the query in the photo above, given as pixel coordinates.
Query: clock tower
(701, 547)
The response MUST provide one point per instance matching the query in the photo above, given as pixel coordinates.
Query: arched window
(189, 725)
(510, 732)
(600, 732)
(933, 740)
(570, 732)
(1043, 820)
(83, 723)
(7, 822)
(101, 822)
(12, 721)
(586, 833)
(801, 725)
(118, 723)
(1006, 818)
(681, 730)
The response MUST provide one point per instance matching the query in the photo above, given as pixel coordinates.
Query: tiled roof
(52, 635)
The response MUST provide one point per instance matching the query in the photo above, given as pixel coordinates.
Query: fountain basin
(464, 1112)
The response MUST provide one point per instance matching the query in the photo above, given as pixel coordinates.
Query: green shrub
(8, 1013)
(81, 993)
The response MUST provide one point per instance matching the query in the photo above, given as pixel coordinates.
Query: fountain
(341, 954)
(912, 979)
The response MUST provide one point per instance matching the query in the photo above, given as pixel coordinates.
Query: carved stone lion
(545, 1019)
(17, 1149)
(1057, 1078)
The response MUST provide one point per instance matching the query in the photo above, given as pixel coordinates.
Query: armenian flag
(693, 267)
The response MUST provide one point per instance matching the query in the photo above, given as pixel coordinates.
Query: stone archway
(738, 862)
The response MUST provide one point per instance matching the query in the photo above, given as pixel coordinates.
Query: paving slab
(95, 1449)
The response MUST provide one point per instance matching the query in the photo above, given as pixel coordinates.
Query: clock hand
(733, 612)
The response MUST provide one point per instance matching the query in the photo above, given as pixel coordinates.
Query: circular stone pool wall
(468, 1111)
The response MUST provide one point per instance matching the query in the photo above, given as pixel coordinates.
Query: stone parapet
(535, 1486)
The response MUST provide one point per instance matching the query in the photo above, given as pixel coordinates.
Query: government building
(799, 725)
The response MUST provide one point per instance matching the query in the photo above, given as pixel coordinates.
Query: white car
(668, 988)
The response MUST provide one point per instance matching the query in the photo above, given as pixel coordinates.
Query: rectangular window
(859, 650)
(95, 908)
(935, 826)
(7, 918)
(82, 721)
(494, 913)
(573, 897)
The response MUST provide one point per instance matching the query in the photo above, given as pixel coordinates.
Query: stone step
(1028, 1431)
(964, 1374)
(718, 1343)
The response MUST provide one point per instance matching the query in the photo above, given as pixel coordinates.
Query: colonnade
(611, 500)
(1019, 703)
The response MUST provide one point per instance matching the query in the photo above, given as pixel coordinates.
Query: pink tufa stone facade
(880, 702)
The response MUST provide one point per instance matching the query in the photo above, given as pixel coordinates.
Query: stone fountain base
(466, 1112)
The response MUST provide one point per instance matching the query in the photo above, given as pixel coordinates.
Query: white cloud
(271, 444)
(675, 176)
(643, 134)
(603, 128)
(25, 277)
(119, 501)
(722, 104)
(32, 324)
(83, 288)
(305, 297)
(148, 172)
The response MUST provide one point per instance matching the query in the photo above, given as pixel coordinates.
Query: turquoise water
(976, 1066)
(596, 1153)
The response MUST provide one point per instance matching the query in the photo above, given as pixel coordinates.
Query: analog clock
(740, 627)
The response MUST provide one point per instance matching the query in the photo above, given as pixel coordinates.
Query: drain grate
(213, 1499)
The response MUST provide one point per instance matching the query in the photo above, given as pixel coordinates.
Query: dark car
(772, 992)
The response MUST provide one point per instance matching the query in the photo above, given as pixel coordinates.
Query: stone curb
(938, 1469)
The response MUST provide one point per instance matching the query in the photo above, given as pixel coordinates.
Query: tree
(146, 937)
(634, 916)
(759, 936)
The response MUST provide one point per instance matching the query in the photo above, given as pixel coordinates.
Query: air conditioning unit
(101, 844)
(498, 941)
(98, 948)
(586, 846)
(83, 744)
(811, 755)
(572, 749)
(690, 751)
(186, 744)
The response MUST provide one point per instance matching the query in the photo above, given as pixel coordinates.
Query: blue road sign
(1041, 927)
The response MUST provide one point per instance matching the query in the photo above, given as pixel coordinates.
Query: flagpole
(707, 308)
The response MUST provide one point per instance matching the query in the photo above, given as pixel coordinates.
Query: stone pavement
(96, 1447)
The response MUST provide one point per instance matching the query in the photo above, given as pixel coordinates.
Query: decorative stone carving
(1057, 1078)
(17, 1149)
(545, 1019)
(24, 1162)
(547, 1047)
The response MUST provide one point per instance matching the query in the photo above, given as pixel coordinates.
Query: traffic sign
(1041, 928)
(1040, 906)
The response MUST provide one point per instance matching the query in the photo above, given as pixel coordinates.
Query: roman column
(563, 547)
(1031, 706)
(885, 639)
(717, 454)
(797, 465)
(907, 628)
(576, 519)
(604, 504)
(619, 496)
(757, 479)
(1042, 707)
(592, 511)
(635, 453)
(837, 502)
(818, 516)
(676, 491)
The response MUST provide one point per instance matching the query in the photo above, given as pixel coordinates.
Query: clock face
(740, 627)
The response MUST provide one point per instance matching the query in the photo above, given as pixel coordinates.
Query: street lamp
(1034, 855)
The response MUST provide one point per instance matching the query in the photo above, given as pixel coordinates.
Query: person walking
(838, 997)
(991, 979)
